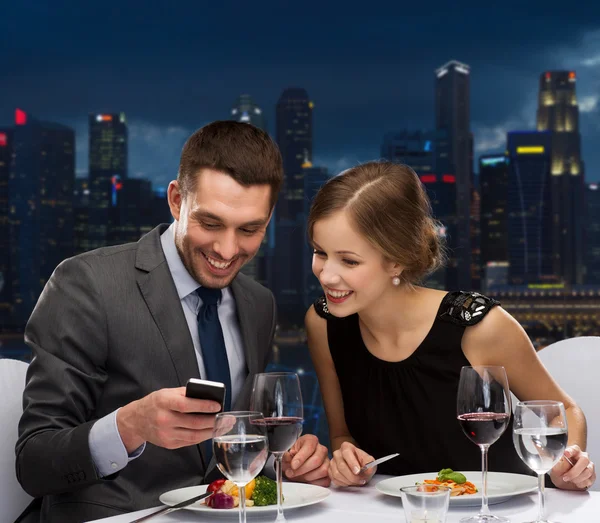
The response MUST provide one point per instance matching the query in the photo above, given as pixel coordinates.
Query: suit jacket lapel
(158, 289)
(245, 311)
(160, 294)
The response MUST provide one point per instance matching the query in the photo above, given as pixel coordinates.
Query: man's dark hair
(242, 151)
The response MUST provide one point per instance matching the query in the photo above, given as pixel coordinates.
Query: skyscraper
(417, 149)
(558, 113)
(246, 110)
(592, 231)
(493, 183)
(475, 227)
(476, 270)
(452, 114)
(314, 178)
(294, 137)
(426, 153)
(529, 208)
(131, 211)
(81, 205)
(5, 294)
(40, 207)
(107, 160)
(441, 189)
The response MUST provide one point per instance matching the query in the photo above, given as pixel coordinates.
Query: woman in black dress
(388, 353)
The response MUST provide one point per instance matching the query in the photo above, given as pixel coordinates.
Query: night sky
(174, 66)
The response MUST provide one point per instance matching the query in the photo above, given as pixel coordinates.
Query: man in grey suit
(116, 334)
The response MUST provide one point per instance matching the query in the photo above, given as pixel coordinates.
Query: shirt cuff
(106, 446)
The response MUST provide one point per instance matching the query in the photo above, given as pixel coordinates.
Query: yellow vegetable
(230, 488)
(250, 489)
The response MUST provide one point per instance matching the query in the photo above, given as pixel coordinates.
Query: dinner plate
(295, 495)
(501, 486)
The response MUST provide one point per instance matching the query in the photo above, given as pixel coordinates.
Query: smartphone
(206, 390)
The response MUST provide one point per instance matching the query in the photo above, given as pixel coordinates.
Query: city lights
(534, 149)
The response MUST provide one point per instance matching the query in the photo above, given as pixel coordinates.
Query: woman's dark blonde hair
(387, 204)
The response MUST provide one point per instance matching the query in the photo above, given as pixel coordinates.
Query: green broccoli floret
(265, 492)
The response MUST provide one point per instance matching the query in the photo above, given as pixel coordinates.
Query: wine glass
(240, 448)
(483, 408)
(540, 436)
(278, 397)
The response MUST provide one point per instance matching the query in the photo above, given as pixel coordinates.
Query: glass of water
(540, 436)
(240, 448)
(425, 503)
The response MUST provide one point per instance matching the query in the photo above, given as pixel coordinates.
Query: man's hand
(346, 464)
(580, 476)
(166, 418)
(307, 462)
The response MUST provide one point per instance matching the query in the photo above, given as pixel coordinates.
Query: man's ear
(175, 199)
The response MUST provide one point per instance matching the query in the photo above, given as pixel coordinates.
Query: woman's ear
(395, 269)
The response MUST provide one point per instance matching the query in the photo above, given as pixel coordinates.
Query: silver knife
(377, 462)
(166, 510)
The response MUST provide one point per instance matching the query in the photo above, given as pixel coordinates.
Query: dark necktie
(212, 342)
(213, 349)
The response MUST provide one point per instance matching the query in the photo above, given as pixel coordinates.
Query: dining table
(367, 504)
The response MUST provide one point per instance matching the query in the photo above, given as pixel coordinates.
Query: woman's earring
(396, 280)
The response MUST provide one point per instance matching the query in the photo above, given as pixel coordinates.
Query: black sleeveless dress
(410, 406)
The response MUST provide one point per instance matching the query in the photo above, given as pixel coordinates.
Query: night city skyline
(524, 133)
(97, 101)
(171, 70)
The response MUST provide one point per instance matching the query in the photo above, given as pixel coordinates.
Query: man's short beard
(186, 253)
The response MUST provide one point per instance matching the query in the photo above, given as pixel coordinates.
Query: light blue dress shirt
(106, 446)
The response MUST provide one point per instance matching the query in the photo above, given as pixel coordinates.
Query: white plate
(501, 486)
(295, 495)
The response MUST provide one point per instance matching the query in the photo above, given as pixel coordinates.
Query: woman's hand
(345, 466)
(580, 476)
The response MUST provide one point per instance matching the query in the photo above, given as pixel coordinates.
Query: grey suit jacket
(109, 329)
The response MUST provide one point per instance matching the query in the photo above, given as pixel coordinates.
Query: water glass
(425, 503)
(540, 436)
(240, 448)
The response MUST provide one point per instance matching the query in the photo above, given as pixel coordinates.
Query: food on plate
(455, 480)
(222, 500)
(265, 492)
(260, 492)
(215, 485)
(449, 474)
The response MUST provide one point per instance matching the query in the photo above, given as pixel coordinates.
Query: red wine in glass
(281, 432)
(484, 428)
(277, 395)
(483, 410)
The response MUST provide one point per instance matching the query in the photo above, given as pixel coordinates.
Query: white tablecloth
(366, 504)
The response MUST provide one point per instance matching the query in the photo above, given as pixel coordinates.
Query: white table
(366, 504)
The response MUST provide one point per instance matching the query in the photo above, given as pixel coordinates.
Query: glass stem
(485, 510)
(542, 498)
(279, 474)
(242, 493)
